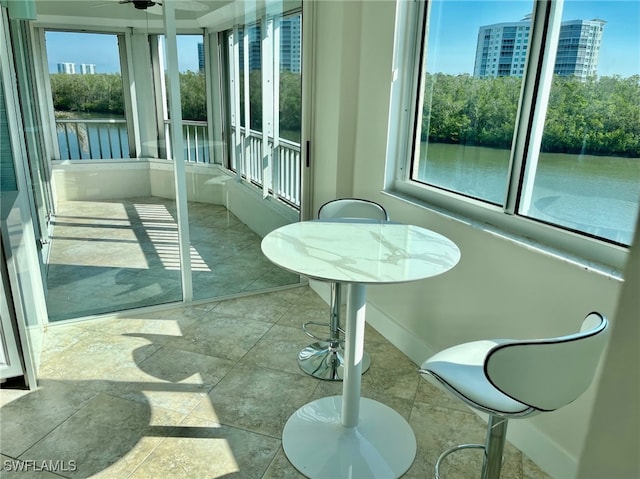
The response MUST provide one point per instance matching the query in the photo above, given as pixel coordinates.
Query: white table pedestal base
(382, 445)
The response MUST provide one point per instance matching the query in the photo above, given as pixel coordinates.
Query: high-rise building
(88, 69)
(67, 67)
(579, 48)
(502, 48)
(290, 44)
(201, 57)
(255, 56)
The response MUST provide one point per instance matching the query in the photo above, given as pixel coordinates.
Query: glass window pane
(88, 98)
(472, 80)
(7, 167)
(587, 176)
(290, 77)
(193, 99)
(192, 81)
(192, 77)
(255, 77)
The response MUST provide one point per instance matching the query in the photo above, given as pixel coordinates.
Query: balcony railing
(286, 165)
(81, 139)
(195, 137)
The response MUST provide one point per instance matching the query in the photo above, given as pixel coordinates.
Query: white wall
(499, 289)
(88, 180)
(334, 106)
(211, 184)
(94, 180)
(612, 448)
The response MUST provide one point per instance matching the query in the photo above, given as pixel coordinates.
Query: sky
(619, 54)
(102, 50)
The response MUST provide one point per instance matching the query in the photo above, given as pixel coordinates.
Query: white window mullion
(130, 95)
(45, 97)
(247, 106)
(267, 103)
(406, 92)
(177, 142)
(534, 98)
(275, 169)
(234, 73)
(156, 53)
(214, 75)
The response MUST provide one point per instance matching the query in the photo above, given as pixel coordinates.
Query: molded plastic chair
(516, 379)
(324, 359)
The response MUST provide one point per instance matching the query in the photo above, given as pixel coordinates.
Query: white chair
(515, 379)
(324, 359)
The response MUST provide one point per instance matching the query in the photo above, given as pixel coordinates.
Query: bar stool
(510, 379)
(324, 359)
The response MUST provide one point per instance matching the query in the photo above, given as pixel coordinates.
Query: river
(598, 195)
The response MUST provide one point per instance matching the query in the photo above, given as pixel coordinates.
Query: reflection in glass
(469, 109)
(585, 174)
(588, 172)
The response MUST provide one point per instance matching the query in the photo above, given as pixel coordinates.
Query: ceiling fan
(141, 4)
(192, 5)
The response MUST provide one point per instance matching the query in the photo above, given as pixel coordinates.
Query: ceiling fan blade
(191, 5)
(106, 4)
(155, 6)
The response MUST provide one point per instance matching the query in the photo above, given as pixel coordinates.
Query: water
(598, 195)
(97, 141)
(111, 141)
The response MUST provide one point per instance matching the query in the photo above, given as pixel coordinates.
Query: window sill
(511, 227)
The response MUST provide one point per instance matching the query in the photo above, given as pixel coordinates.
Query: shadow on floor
(111, 256)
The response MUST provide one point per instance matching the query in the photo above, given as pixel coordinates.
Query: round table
(349, 436)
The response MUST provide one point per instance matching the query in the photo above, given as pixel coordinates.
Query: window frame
(407, 98)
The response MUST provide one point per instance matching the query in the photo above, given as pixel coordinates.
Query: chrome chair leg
(324, 359)
(451, 450)
(493, 449)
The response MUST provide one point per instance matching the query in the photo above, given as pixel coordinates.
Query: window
(193, 101)
(88, 96)
(7, 168)
(290, 77)
(264, 91)
(545, 149)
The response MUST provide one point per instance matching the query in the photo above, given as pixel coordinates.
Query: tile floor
(204, 392)
(113, 255)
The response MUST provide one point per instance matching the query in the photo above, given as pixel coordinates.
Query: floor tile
(221, 336)
(268, 307)
(110, 427)
(202, 448)
(205, 390)
(114, 255)
(256, 399)
(278, 349)
(281, 468)
(29, 418)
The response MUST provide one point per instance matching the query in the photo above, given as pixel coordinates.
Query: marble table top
(353, 251)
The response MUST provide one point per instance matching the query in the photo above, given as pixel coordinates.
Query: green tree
(290, 101)
(193, 96)
(599, 116)
(99, 93)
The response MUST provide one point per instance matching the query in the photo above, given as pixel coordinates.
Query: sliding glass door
(157, 166)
